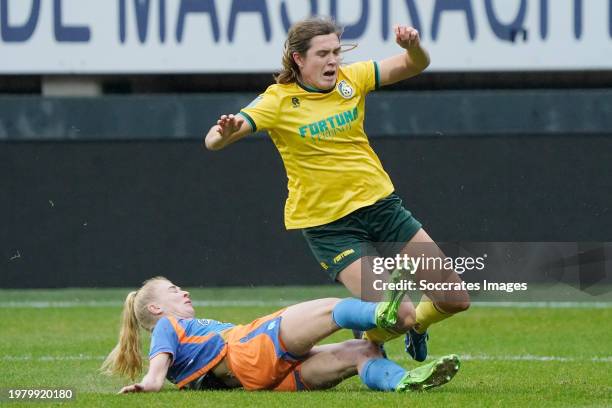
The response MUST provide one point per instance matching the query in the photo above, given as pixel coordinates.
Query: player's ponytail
(298, 40)
(126, 359)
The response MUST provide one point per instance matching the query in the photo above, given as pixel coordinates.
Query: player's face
(175, 301)
(319, 68)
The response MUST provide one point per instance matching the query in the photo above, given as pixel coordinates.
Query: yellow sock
(427, 314)
(379, 335)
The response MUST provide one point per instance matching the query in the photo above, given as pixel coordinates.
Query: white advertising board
(213, 36)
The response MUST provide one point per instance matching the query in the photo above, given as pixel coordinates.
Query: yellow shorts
(257, 357)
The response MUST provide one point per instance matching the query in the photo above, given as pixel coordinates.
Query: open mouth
(329, 73)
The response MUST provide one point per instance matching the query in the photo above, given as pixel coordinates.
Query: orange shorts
(257, 357)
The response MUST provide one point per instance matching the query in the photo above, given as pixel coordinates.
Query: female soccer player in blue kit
(275, 352)
(339, 194)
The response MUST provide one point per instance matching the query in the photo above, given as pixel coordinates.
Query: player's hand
(406, 37)
(229, 124)
(132, 388)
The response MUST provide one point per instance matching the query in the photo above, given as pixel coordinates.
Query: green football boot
(386, 312)
(430, 375)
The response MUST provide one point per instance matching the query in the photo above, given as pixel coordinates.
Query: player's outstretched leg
(329, 364)
(436, 305)
(305, 324)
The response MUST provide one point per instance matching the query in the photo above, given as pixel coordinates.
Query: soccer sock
(427, 314)
(379, 335)
(355, 314)
(381, 374)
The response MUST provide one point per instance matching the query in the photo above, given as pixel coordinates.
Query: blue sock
(355, 314)
(381, 374)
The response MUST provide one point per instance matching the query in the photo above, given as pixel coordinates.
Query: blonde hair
(298, 40)
(126, 359)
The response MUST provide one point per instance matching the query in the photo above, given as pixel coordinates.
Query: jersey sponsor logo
(330, 126)
(345, 90)
(324, 266)
(203, 322)
(343, 255)
(295, 101)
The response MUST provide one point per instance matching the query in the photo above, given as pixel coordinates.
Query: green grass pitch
(511, 357)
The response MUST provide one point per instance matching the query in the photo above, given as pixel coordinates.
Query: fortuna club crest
(345, 90)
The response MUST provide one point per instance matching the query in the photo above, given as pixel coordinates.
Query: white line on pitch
(115, 303)
(28, 304)
(463, 357)
(79, 357)
(529, 357)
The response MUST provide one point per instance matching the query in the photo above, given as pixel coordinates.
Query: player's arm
(405, 65)
(229, 128)
(153, 381)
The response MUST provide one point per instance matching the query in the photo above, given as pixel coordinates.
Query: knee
(365, 349)
(352, 354)
(406, 317)
(355, 352)
(454, 306)
(462, 306)
(328, 304)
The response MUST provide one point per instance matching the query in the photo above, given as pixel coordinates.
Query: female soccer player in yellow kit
(339, 194)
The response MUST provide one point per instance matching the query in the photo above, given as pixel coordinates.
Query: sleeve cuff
(376, 75)
(151, 356)
(249, 119)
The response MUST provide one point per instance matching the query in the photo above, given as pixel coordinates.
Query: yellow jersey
(331, 167)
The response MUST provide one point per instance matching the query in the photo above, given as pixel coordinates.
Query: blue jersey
(194, 344)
